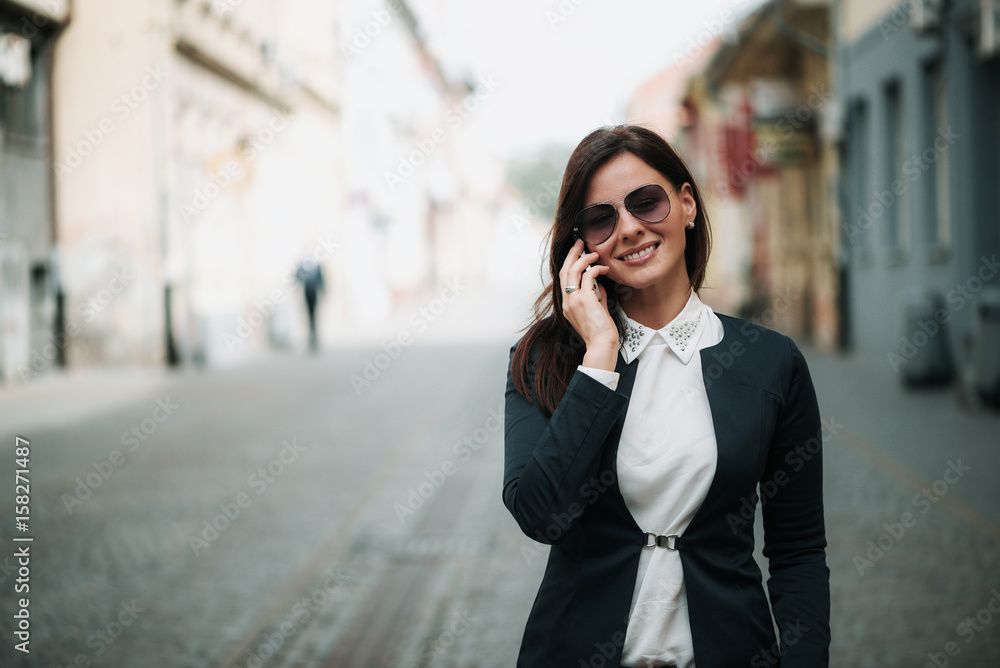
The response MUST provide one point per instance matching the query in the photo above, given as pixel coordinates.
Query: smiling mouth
(639, 253)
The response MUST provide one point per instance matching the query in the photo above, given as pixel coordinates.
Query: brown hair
(550, 351)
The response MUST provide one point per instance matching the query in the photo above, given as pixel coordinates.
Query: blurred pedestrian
(310, 274)
(638, 425)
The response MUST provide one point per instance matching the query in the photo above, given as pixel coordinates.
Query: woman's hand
(586, 309)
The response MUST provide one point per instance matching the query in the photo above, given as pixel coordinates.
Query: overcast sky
(564, 67)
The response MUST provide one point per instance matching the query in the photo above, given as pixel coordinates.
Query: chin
(639, 279)
(637, 283)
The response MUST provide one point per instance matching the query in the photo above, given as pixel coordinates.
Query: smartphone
(586, 250)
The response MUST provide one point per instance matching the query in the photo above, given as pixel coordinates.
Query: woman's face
(663, 243)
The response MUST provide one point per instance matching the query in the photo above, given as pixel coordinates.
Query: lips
(638, 253)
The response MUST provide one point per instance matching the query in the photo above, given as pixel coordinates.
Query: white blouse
(666, 463)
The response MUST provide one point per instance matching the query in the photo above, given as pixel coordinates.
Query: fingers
(586, 312)
(575, 264)
(590, 275)
(575, 252)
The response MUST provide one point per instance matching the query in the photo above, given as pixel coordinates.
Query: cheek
(604, 258)
(675, 236)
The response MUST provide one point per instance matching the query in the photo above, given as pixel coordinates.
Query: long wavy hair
(551, 349)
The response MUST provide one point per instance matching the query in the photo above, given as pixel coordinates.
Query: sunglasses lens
(596, 223)
(649, 204)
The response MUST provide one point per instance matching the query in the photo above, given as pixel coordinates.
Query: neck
(656, 305)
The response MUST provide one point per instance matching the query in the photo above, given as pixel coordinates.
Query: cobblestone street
(279, 514)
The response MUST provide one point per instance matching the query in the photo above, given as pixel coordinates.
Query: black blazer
(561, 485)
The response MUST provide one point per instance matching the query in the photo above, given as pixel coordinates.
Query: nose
(628, 225)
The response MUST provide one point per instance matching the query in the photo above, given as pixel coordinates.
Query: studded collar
(681, 333)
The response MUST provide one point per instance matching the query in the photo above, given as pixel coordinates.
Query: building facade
(919, 84)
(756, 129)
(195, 158)
(30, 304)
(424, 193)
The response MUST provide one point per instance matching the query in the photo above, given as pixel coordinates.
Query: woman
(638, 426)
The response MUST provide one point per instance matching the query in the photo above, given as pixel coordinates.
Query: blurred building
(920, 85)
(168, 163)
(677, 104)
(29, 304)
(195, 159)
(755, 128)
(423, 192)
(848, 150)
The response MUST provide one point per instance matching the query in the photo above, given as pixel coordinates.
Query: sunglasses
(649, 203)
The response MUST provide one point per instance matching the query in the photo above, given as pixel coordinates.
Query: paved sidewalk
(913, 519)
(63, 397)
(911, 434)
(903, 589)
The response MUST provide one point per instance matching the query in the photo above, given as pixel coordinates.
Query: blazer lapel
(735, 404)
(626, 379)
(736, 415)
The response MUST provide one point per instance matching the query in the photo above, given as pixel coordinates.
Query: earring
(691, 224)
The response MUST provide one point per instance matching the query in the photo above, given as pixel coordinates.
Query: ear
(688, 202)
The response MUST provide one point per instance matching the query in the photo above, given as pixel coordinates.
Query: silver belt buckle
(669, 542)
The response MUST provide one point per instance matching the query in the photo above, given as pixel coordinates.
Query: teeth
(645, 251)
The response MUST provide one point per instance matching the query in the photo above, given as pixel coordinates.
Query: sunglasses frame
(614, 208)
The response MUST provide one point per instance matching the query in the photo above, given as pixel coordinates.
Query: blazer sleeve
(794, 528)
(550, 464)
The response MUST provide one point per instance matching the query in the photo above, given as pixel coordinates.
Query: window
(895, 194)
(934, 164)
(863, 220)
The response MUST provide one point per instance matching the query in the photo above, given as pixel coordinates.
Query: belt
(669, 542)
